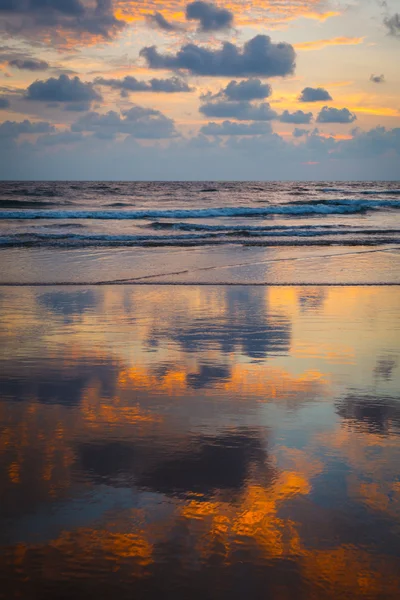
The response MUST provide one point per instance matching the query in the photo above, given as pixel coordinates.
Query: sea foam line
(336, 207)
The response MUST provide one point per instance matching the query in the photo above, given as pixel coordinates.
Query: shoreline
(201, 266)
(195, 284)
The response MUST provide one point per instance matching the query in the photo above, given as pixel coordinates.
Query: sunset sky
(269, 89)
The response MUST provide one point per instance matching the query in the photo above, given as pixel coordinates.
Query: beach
(189, 419)
(172, 440)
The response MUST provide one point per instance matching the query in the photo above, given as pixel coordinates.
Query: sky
(148, 90)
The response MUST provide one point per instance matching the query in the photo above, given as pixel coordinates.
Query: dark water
(200, 442)
(82, 214)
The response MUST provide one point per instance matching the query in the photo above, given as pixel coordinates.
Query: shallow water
(200, 442)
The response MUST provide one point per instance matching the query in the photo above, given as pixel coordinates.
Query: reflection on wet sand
(200, 443)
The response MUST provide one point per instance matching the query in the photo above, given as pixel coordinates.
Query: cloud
(375, 142)
(75, 106)
(377, 78)
(210, 16)
(373, 154)
(242, 111)
(158, 20)
(13, 129)
(65, 90)
(393, 24)
(4, 102)
(234, 101)
(299, 117)
(259, 56)
(310, 94)
(338, 41)
(55, 16)
(298, 133)
(138, 122)
(131, 84)
(29, 64)
(250, 89)
(335, 115)
(62, 138)
(232, 128)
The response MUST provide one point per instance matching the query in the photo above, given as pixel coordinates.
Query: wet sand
(328, 265)
(200, 441)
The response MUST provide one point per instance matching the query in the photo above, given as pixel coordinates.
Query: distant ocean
(81, 214)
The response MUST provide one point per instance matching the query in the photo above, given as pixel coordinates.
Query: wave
(269, 229)
(362, 192)
(25, 204)
(381, 192)
(296, 209)
(267, 238)
(36, 193)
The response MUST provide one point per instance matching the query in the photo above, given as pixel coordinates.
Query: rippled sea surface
(82, 214)
(202, 442)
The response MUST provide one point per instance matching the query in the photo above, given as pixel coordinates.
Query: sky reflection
(161, 442)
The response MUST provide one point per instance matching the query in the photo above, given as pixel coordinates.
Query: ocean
(81, 214)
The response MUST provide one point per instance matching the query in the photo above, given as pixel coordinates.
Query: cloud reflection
(229, 446)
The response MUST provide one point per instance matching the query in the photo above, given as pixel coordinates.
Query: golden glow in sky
(106, 48)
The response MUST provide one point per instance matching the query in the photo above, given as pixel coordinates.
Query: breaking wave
(336, 207)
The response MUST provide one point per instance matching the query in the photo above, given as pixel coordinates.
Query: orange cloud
(381, 111)
(246, 13)
(338, 41)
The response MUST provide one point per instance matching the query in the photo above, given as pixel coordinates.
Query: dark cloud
(210, 16)
(375, 142)
(336, 115)
(158, 20)
(232, 128)
(299, 117)
(13, 129)
(233, 101)
(314, 95)
(29, 64)
(70, 91)
(76, 106)
(131, 84)
(169, 86)
(393, 24)
(127, 83)
(251, 89)
(297, 133)
(138, 122)
(243, 111)
(4, 102)
(30, 16)
(377, 78)
(373, 154)
(63, 138)
(259, 56)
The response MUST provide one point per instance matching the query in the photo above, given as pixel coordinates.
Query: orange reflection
(107, 378)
